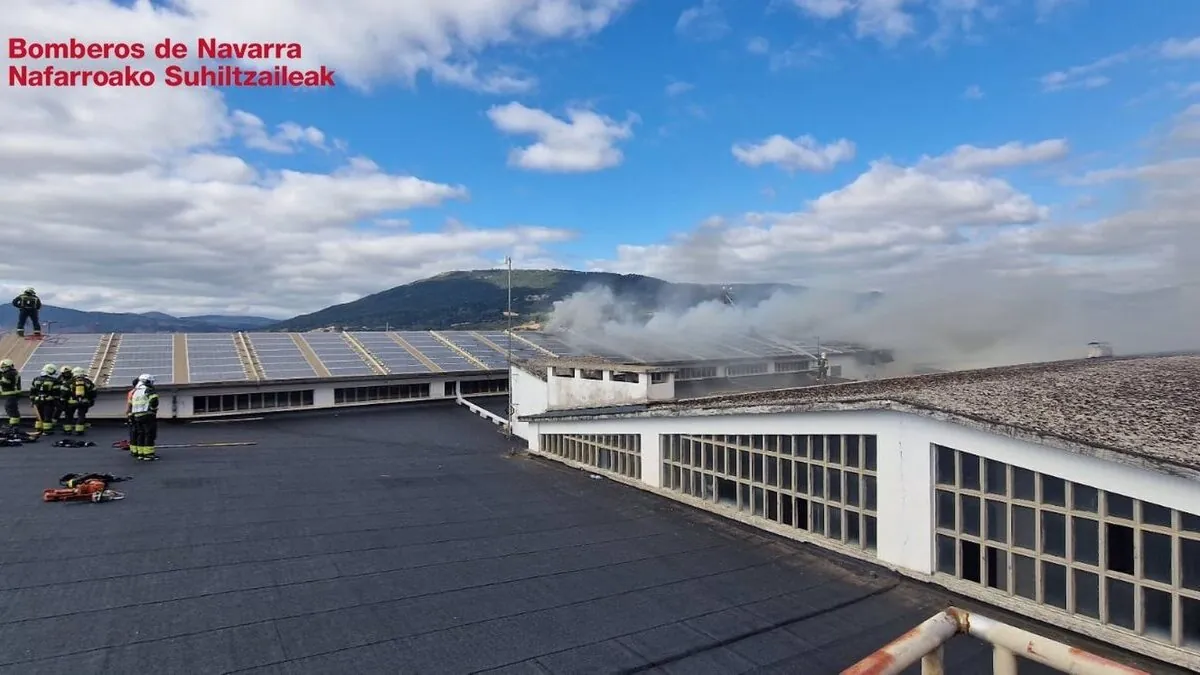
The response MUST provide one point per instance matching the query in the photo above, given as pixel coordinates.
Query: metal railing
(924, 643)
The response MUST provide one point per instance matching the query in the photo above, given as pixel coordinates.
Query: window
(450, 388)
(793, 366)
(621, 376)
(658, 378)
(745, 369)
(494, 386)
(386, 392)
(264, 400)
(698, 373)
(824, 484)
(616, 453)
(1098, 555)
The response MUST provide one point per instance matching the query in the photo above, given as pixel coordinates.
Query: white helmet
(49, 369)
(146, 378)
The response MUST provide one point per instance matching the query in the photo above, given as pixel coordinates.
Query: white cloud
(1181, 49)
(150, 180)
(705, 21)
(972, 159)
(884, 20)
(1086, 76)
(803, 153)
(585, 141)
(973, 92)
(678, 88)
(758, 45)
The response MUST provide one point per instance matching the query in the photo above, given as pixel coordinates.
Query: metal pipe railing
(924, 644)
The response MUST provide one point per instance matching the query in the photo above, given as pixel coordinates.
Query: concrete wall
(905, 470)
(576, 391)
(529, 397)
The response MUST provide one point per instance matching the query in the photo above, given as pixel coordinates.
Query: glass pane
(801, 477)
(1120, 603)
(869, 493)
(997, 568)
(853, 535)
(1054, 534)
(1086, 544)
(869, 532)
(971, 514)
(996, 477)
(833, 449)
(817, 450)
(946, 555)
(817, 485)
(1156, 556)
(1087, 593)
(1191, 622)
(818, 518)
(1024, 527)
(1156, 612)
(1023, 484)
(968, 557)
(945, 510)
(851, 458)
(1118, 548)
(1084, 498)
(945, 465)
(834, 517)
(1119, 506)
(833, 484)
(851, 489)
(1054, 491)
(1189, 522)
(1054, 584)
(969, 465)
(997, 521)
(1189, 558)
(870, 460)
(1153, 514)
(1024, 577)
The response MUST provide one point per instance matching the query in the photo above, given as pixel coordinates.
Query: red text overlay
(229, 65)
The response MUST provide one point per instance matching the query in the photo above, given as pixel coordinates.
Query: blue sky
(898, 100)
(824, 142)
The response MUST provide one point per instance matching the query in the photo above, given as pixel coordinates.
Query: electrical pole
(509, 356)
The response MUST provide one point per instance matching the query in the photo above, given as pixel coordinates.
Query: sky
(849, 144)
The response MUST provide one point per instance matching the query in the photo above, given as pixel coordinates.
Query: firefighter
(81, 395)
(29, 307)
(43, 393)
(10, 389)
(61, 409)
(143, 417)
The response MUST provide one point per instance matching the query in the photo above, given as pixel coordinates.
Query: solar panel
(559, 347)
(437, 351)
(520, 349)
(593, 348)
(152, 353)
(337, 355)
(66, 349)
(214, 358)
(476, 348)
(390, 353)
(279, 356)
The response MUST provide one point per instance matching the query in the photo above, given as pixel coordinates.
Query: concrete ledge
(485, 414)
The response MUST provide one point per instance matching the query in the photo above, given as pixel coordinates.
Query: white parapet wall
(904, 481)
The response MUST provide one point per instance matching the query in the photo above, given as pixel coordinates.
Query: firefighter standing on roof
(81, 394)
(62, 392)
(10, 390)
(43, 392)
(29, 307)
(143, 418)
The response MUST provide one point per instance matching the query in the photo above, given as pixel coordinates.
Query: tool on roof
(85, 487)
(124, 445)
(72, 443)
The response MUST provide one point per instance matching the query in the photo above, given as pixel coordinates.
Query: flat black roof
(410, 541)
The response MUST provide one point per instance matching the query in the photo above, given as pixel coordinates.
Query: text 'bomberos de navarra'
(209, 63)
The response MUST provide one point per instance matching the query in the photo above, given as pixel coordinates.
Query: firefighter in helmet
(43, 393)
(10, 391)
(78, 397)
(143, 419)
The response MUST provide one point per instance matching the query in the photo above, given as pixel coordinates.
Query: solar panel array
(435, 350)
(213, 357)
(61, 350)
(477, 348)
(391, 354)
(340, 359)
(280, 357)
(138, 353)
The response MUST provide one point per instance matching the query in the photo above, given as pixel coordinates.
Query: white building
(1064, 491)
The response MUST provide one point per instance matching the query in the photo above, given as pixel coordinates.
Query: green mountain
(66, 320)
(477, 299)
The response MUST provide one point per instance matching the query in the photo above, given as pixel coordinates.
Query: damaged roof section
(1145, 407)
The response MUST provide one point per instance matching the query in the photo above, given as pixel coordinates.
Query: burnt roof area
(410, 541)
(1142, 407)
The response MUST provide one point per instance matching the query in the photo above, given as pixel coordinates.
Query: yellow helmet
(5, 364)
